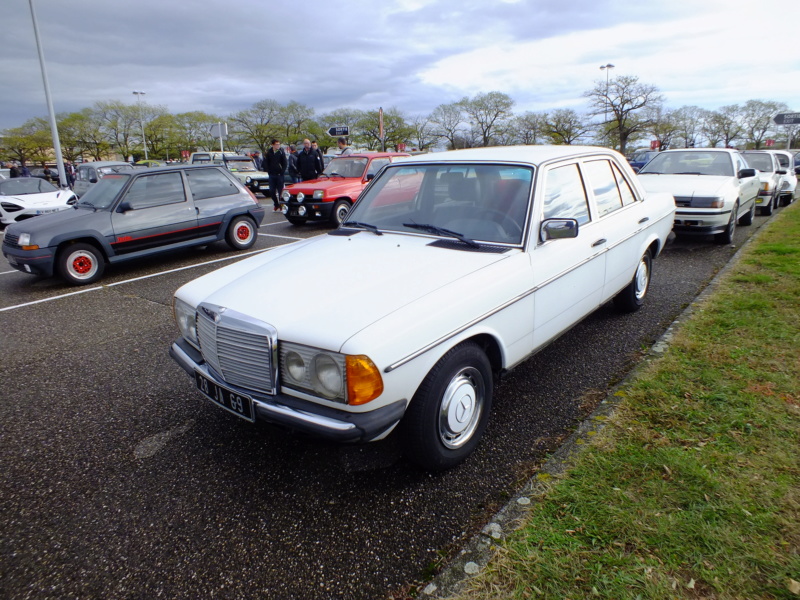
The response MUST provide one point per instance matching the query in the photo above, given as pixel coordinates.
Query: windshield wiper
(366, 226)
(84, 203)
(688, 173)
(442, 231)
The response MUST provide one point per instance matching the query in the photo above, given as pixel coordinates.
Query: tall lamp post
(606, 68)
(141, 120)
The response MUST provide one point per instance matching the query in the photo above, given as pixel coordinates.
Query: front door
(153, 212)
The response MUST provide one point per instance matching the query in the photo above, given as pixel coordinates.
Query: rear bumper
(296, 413)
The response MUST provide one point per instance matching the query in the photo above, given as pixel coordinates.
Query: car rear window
(210, 183)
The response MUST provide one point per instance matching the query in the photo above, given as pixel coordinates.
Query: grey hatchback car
(133, 214)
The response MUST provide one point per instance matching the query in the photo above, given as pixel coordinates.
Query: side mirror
(124, 207)
(93, 180)
(781, 172)
(746, 173)
(558, 229)
(370, 176)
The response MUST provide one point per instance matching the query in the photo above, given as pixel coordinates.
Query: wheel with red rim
(81, 264)
(241, 233)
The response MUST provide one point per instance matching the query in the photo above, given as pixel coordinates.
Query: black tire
(748, 218)
(726, 237)
(297, 220)
(242, 233)
(340, 210)
(81, 264)
(633, 295)
(448, 414)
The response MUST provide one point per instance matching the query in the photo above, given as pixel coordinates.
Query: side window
(604, 185)
(740, 164)
(376, 165)
(209, 183)
(92, 174)
(625, 191)
(783, 160)
(156, 190)
(564, 195)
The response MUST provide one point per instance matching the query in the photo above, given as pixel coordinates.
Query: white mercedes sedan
(450, 270)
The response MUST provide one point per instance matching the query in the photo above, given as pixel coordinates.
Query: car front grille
(241, 350)
(11, 240)
(694, 201)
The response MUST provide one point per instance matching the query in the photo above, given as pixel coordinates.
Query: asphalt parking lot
(118, 481)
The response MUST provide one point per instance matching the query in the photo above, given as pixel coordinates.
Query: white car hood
(42, 200)
(685, 185)
(338, 284)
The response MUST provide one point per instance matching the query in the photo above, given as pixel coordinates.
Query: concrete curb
(476, 553)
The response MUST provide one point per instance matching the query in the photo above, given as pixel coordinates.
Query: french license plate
(238, 404)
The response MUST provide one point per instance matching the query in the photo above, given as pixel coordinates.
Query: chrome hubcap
(461, 408)
(642, 279)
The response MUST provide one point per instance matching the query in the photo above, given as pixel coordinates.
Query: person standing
(257, 161)
(275, 162)
(13, 171)
(292, 173)
(309, 162)
(344, 149)
(24, 171)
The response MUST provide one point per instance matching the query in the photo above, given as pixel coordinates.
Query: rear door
(153, 212)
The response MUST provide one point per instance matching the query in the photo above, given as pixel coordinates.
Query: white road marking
(285, 237)
(7, 272)
(94, 289)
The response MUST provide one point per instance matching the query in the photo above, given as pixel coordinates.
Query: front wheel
(748, 218)
(726, 237)
(340, 210)
(241, 233)
(81, 264)
(448, 415)
(767, 210)
(632, 296)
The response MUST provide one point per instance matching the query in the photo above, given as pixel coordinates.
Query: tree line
(621, 113)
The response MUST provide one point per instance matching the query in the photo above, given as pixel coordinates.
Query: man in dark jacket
(275, 163)
(308, 162)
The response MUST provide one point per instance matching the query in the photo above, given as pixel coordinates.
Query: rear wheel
(81, 264)
(631, 298)
(241, 233)
(340, 210)
(726, 237)
(447, 416)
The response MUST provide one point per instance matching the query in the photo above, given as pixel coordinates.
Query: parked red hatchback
(330, 197)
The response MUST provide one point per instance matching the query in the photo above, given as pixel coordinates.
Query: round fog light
(284, 209)
(301, 210)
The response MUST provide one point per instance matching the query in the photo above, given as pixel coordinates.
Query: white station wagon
(449, 270)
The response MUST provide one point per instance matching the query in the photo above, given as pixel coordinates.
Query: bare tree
(689, 121)
(422, 136)
(724, 125)
(621, 99)
(447, 120)
(756, 118)
(663, 124)
(488, 112)
(529, 127)
(194, 130)
(121, 124)
(565, 126)
(257, 124)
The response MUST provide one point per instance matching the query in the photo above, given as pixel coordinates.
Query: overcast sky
(223, 56)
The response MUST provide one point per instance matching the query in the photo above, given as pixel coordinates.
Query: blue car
(640, 159)
(128, 215)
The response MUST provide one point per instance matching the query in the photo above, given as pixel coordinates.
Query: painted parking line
(7, 272)
(285, 237)
(159, 274)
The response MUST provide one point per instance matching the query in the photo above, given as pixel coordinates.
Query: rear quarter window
(209, 183)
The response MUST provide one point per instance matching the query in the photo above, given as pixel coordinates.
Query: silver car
(87, 174)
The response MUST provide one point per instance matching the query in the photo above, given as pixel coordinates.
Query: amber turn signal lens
(364, 382)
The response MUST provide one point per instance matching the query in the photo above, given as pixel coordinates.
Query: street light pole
(141, 120)
(62, 174)
(606, 68)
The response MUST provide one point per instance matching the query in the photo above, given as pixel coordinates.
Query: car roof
(729, 150)
(373, 154)
(104, 163)
(534, 155)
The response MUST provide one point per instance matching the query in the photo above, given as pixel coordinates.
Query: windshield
(20, 186)
(760, 161)
(346, 167)
(105, 191)
(485, 203)
(690, 163)
(240, 165)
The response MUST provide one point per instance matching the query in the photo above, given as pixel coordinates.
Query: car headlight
(300, 196)
(248, 180)
(343, 378)
(286, 195)
(319, 194)
(186, 318)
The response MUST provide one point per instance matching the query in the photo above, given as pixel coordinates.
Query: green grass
(692, 490)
